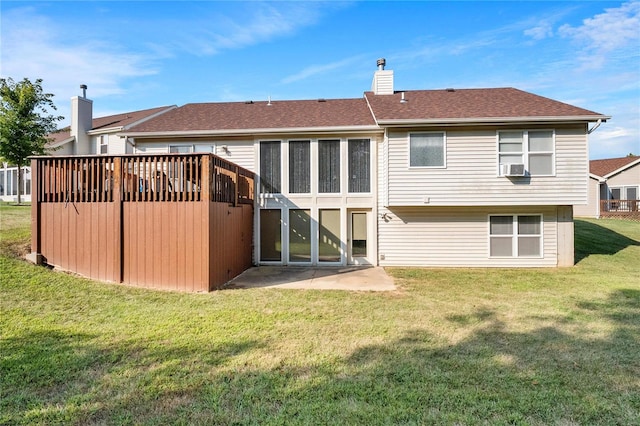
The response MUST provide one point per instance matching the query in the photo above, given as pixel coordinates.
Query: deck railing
(143, 178)
(623, 209)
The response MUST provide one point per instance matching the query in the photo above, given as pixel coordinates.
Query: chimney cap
(381, 63)
(83, 86)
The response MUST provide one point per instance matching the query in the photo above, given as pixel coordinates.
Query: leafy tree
(25, 122)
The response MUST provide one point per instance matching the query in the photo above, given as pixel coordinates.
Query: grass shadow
(51, 377)
(595, 239)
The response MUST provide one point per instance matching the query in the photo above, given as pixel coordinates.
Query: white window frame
(287, 163)
(190, 147)
(103, 141)
(444, 150)
(514, 236)
(526, 153)
(623, 191)
(284, 151)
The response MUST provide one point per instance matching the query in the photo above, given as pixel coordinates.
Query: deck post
(236, 199)
(205, 192)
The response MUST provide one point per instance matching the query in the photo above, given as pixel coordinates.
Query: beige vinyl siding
(628, 177)
(471, 173)
(383, 172)
(455, 237)
(591, 208)
(117, 145)
(241, 152)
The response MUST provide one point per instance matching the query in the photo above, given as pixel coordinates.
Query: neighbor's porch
(621, 209)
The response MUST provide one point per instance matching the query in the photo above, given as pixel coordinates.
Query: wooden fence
(170, 221)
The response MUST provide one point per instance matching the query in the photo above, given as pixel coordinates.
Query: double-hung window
(533, 148)
(427, 149)
(515, 236)
(270, 176)
(104, 144)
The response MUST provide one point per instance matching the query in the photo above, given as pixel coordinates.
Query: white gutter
(105, 130)
(489, 120)
(244, 132)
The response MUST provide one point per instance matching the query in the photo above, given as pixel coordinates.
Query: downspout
(593, 129)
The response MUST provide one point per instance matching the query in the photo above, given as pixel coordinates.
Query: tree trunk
(19, 184)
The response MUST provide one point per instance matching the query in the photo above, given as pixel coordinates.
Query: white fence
(9, 183)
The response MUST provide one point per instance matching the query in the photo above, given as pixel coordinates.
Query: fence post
(36, 250)
(119, 234)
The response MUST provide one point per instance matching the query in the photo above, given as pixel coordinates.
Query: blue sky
(136, 55)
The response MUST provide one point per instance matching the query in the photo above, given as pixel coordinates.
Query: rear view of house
(450, 177)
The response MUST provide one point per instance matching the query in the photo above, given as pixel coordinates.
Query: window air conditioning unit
(513, 170)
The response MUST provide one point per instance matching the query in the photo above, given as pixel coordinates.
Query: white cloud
(539, 32)
(256, 23)
(321, 69)
(614, 29)
(34, 46)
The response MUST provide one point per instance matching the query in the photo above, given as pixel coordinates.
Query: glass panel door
(359, 244)
(299, 235)
(270, 235)
(329, 235)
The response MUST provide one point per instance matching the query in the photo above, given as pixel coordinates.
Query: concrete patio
(350, 278)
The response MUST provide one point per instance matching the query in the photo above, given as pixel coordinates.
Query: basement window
(515, 236)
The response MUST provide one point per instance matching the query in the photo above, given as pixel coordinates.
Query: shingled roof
(421, 106)
(125, 119)
(605, 167)
(116, 121)
(241, 116)
(471, 105)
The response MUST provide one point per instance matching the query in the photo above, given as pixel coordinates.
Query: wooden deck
(173, 221)
(620, 209)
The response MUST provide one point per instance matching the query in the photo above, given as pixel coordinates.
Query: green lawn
(452, 346)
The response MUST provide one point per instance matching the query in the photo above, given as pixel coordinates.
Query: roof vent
(402, 99)
(322, 100)
(248, 102)
(84, 90)
(450, 89)
(269, 102)
(381, 63)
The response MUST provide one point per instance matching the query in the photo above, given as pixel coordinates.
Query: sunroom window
(270, 176)
(359, 165)
(329, 166)
(299, 167)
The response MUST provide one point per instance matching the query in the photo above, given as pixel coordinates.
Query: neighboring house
(473, 177)
(614, 188)
(86, 135)
(9, 183)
